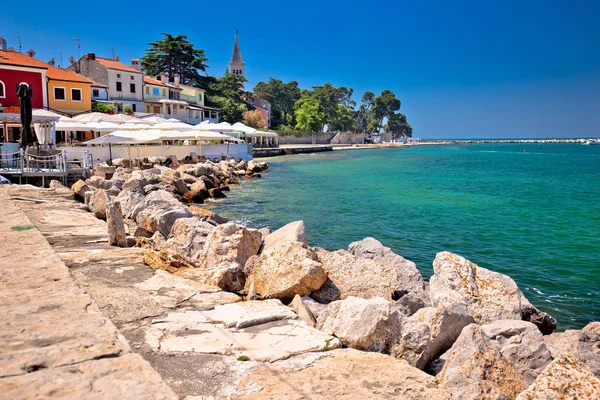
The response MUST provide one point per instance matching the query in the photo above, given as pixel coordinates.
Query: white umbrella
(210, 135)
(243, 128)
(221, 127)
(132, 126)
(71, 126)
(91, 117)
(102, 126)
(154, 119)
(139, 136)
(177, 126)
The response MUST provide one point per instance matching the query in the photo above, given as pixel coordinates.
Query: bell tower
(237, 65)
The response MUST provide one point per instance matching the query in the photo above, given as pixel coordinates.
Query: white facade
(131, 87)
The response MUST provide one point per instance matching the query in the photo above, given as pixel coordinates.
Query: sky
(462, 69)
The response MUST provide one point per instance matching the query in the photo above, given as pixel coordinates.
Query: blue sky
(462, 69)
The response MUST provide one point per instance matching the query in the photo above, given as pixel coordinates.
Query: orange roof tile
(20, 59)
(156, 82)
(112, 64)
(58, 74)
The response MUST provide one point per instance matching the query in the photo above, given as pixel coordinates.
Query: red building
(16, 68)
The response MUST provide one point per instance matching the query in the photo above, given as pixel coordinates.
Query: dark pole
(109, 154)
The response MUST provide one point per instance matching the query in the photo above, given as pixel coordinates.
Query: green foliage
(243, 358)
(176, 55)
(343, 120)
(103, 108)
(127, 110)
(398, 126)
(327, 344)
(228, 97)
(384, 106)
(20, 228)
(309, 114)
(282, 97)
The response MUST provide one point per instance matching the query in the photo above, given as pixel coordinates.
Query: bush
(127, 110)
(255, 119)
(103, 108)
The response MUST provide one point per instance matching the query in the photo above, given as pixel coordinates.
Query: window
(76, 94)
(2, 90)
(132, 87)
(118, 75)
(59, 93)
(95, 93)
(119, 87)
(164, 92)
(155, 92)
(147, 89)
(133, 108)
(131, 77)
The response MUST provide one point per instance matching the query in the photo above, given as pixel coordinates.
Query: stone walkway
(205, 343)
(54, 341)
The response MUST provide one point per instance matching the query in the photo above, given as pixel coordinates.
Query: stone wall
(304, 138)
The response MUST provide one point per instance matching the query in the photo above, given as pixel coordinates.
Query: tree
(309, 114)
(364, 116)
(255, 119)
(228, 97)
(176, 55)
(330, 98)
(343, 120)
(384, 106)
(282, 97)
(398, 126)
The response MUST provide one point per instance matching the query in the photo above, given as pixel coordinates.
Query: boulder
(249, 313)
(584, 346)
(545, 322)
(565, 379)
(216, 193)
(409, 279)
(181, 187)
(98, 202)
(115, 225)
(315, 307)
(80, 188)
(154, 199)
(98, 182)
(208, 215)
(475, 369)
(363, 324)
(349, 275)
(131, 195)
(286, 271)
(225, 253)
(444, 326)
(411, 303)
(208, 182)
(188, 237)
(521, 343)
(242, 165)
(292, 232)
(489, 296)
(303, 311)
(161, 217)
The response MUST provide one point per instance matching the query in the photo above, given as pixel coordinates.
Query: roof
(96, 84)
(236, 55)
(20, 59)
(204, 107)
(192, 87)
(113, 64)
(57, 74)
(151, 81)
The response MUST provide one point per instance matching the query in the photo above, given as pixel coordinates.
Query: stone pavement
(54, 341)
(205, 343)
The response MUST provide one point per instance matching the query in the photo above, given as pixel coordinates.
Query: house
(15, 68)
(68, 91)
(124, 83)
(261, 105)
(196, 110)
(162, 98)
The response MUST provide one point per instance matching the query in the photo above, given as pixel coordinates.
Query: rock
(253, 167)
(161, 217)
(578, 344)
(216, 193)
(187, 178)
(292, 232)
(363, 324)
(224, 255)
(188, 237)
(113, 191)
(349, 275)
(208, 215)
(249, 313)
(208, 183)
(181, 187)
(475, 369)
(98, 182)
(444, 326)
(545, 322)
(80, 188)
(302, 311)
(242, 165)
(409, 279)
(489, 296)
(566, 379)
(411, 303)
(264, 232)
(286, 271)
(54, 184)
(591, 334)
(115, 225)
(522, 344)
(156, 198)
(131, 195)
(315, 307)
(98, 202)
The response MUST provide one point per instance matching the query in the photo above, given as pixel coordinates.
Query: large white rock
(475, 369)
(583, 344)
(98, 202)
(349, 275)
(250, 313)
(363, 324)
(115, 224)
(285, 271)
(489, 296)
(302, 311)
(156, 199)
(225, 253)
(188, 237)
(565, 379)
(409, 279)
(292, 232)
(161, 217)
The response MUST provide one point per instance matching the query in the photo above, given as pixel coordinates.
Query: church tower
(236, 65)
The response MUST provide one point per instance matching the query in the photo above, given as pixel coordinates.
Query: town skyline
(490, 73)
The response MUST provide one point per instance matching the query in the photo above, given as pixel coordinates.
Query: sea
(531, 211)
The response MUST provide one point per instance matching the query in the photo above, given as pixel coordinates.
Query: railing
(24, 162)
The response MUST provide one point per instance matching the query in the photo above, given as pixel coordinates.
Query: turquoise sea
(527, 210)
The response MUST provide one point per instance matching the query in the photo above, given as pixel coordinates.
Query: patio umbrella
(243, 128)
(108, 139)
(173, 126)
(24, 93)
(102, 126)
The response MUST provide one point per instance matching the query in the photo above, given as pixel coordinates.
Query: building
(124, 83)
(68, 91)
(162, 98)
(15, 68)
(196, 110)
(237, 66)
(261, 105)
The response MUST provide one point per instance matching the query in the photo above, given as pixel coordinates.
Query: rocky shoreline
(469, 327)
